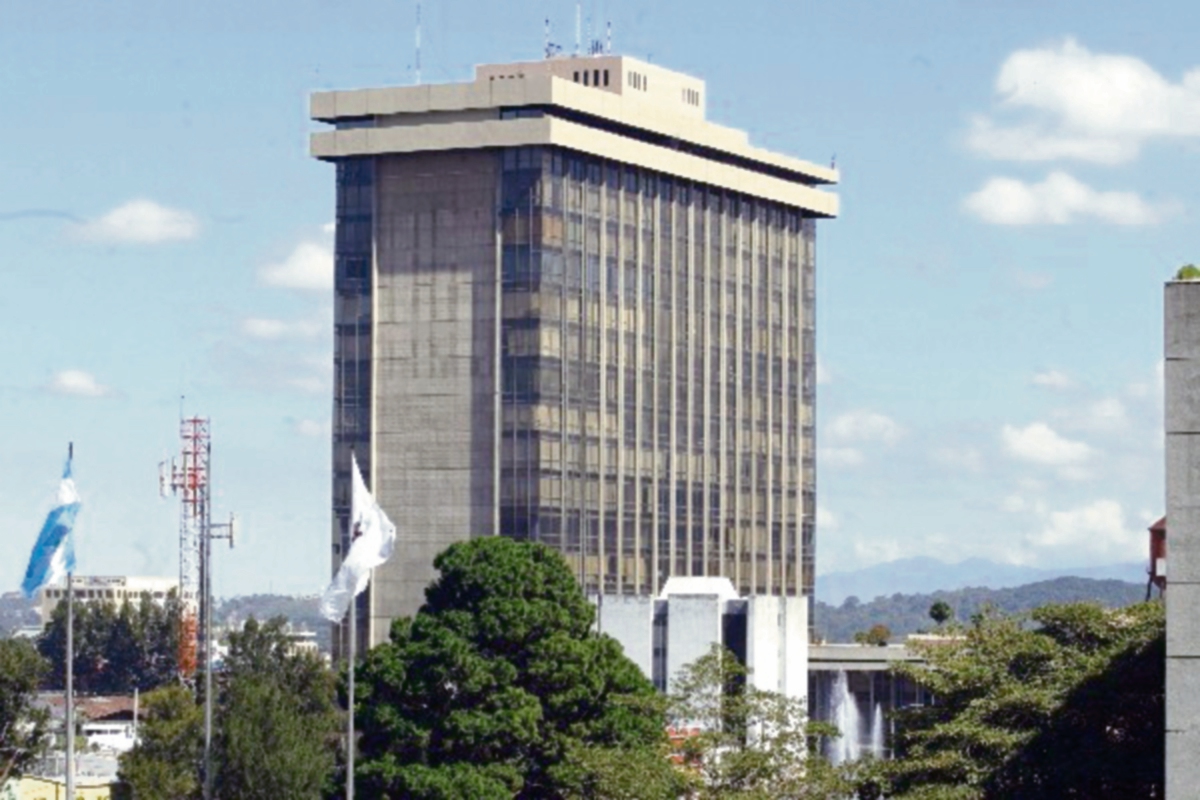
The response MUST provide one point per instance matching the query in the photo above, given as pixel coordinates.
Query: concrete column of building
(1182, 420)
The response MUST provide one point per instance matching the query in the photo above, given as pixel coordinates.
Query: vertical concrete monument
(1182, 418)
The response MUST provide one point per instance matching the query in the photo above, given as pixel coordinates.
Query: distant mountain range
(924, 575)
(909, 613)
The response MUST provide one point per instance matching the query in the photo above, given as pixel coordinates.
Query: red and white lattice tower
(189, 480)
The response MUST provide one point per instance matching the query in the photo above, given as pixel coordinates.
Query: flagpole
(70, 700)
(350, 715)
(70, 704)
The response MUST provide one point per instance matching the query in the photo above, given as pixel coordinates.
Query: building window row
(598, 77)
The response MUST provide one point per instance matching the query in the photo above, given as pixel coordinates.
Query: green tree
(165, 764)
(878, 635)
(277, 722)
(1068, 707)
(499, 685)
(117, 648)
(22, 726)
(941, 612)
(743, 743)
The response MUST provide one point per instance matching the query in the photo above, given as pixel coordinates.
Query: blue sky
(1017, 184)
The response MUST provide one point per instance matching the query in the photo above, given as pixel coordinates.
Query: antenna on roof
(418, 70)
(552, 49)
(608, 44)
(578, 26)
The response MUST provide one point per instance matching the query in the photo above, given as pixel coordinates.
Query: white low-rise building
(99, 589)
(662, 635)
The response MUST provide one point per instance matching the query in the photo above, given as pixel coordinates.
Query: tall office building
(572, 310)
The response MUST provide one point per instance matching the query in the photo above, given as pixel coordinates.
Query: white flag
(372, 539)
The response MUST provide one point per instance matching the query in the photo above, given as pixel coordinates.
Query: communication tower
(188, 478)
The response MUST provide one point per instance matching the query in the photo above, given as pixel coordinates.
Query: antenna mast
(191, 481)
(608, 43)
(578, 26)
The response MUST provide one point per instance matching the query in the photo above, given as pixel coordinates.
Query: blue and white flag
(54, 554)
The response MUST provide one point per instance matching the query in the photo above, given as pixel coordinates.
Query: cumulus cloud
(865, 426)
(826, 519)
(309, 266)
(1038, 443)
(1095, 532)
(1052, 379)
(959, 458)
(1059, 200)
(310, 427)
(823, 376)
(1031, 281)
(1072, 103)
(77, 382)
(274, 329)
(839, 457)
(1107, 414)
(141, 222)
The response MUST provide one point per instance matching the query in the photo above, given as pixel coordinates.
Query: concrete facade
(1181, 383)
(768, 634)
(572, 310)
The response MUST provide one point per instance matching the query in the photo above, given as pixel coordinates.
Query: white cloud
(1087, 106)
(1031, 281)
(1093, 532)
(1058, 200)
(77, 382)
(1039, 444)
(839, 457)
(826, 520)
(824, 378)
(1107, 414)
(1014, 504)
(1052, 379)
(865, 426)
(141, 222)
(310, 427)
(959, 458)
(328, 228)
(260, 328)
(309, 266)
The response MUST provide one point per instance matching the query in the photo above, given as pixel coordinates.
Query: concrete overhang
(494, 133)
(550, 90)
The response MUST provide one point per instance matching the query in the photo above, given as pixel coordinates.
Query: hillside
(302, 612)
(919, 574)
(909, 613)
(16, 612)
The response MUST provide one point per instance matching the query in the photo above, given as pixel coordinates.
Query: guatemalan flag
(54, 554)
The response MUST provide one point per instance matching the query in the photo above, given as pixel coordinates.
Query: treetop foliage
(118, 648)
(23, 727)
(1064, 703)
(496, 683)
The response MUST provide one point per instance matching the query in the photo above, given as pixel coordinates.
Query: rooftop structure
(571, 309)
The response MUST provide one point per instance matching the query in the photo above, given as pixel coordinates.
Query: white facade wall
(775, 643)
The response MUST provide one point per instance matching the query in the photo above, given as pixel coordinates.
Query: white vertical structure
(662, 635)
(1182, 420)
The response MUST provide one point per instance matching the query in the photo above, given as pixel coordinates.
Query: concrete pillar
(1182, 420)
